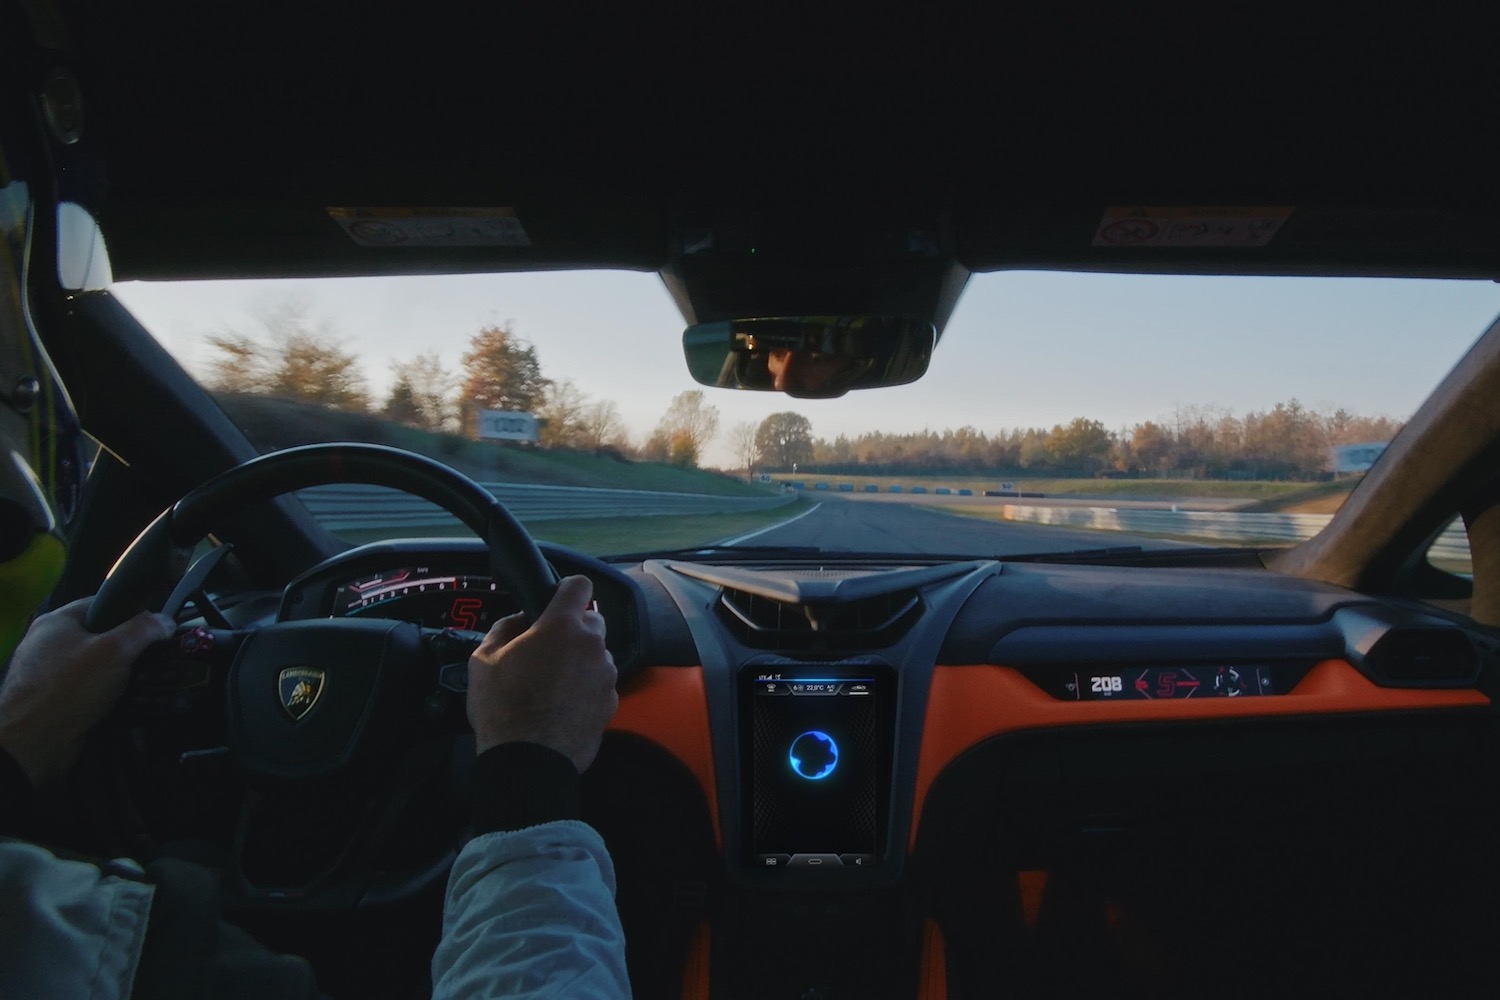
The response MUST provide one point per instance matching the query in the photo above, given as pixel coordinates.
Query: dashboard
(814, 732)
(815, 745)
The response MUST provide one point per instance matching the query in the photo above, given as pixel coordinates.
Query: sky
(1023, 349)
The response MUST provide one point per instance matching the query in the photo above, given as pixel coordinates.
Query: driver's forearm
(531, 913)
(17, 796)
(530, 909)
(516, 785)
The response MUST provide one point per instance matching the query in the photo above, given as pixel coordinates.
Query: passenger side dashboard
(1163, 680)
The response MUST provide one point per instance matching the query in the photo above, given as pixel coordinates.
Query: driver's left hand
(62, 680)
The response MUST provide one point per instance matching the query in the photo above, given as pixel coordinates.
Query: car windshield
(1061, 411)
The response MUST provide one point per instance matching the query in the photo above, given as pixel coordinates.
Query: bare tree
(687, 427)
(658, 446)
(601, 425)
(742, 439)
(422, 393)
(562, 415)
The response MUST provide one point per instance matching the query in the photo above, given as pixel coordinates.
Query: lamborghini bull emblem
(299, 688)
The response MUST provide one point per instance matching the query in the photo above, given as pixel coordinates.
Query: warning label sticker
(1195, 226)
(432, 227)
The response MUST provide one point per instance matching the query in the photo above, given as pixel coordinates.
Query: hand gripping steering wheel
(321, 710)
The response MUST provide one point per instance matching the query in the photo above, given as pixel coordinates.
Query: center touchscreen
(818, 748)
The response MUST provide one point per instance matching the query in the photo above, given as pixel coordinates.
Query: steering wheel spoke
(184, 675)
(450, 649)
(190, 588)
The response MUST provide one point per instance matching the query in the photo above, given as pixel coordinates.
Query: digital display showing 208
(1170, 683)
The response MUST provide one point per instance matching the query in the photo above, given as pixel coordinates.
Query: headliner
(870, 167)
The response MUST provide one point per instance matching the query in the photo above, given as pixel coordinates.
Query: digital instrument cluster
(448, 583)
(430, 598)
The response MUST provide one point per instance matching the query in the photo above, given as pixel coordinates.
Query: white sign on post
(505, 425)
(1348, 458)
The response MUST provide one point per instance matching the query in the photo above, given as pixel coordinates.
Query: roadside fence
(362, 506)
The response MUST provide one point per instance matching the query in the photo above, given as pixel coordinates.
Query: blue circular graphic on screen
(814, 755)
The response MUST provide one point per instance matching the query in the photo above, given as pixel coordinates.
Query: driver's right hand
(552, 683)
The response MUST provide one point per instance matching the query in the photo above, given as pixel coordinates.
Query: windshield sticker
(432, 227)
(1215, 226)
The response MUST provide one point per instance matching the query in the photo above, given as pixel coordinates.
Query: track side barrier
(362, 506)
(1225, 526)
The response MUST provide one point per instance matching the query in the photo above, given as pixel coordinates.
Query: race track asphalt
(839, 524)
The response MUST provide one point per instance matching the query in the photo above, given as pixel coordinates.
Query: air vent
(819, 627)
(1423, 656)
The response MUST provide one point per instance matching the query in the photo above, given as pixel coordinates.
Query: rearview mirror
(812, 357)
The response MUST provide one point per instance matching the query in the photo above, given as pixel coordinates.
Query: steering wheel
(314, 714)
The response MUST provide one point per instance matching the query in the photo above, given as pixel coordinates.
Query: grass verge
(1104, 489)
(1319, 498)
(642, 534)
(604, 535)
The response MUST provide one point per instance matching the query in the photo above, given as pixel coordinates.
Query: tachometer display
(428, 597)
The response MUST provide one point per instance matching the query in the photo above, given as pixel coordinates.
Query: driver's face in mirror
(810, 373)
(814, 357)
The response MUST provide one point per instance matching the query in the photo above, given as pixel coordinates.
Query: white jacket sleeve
(69, 928)
(531, 913)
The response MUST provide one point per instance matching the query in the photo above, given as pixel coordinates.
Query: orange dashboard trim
(695, 972)
(932, 975)
(667, 706)
(966, 705)
(1032, 886)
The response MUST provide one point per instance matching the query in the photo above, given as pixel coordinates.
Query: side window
(1449, 552)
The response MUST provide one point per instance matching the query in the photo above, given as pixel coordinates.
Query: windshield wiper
(756, 551)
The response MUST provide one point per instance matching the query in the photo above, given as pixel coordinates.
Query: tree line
(1287, 441)
(295, 357)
